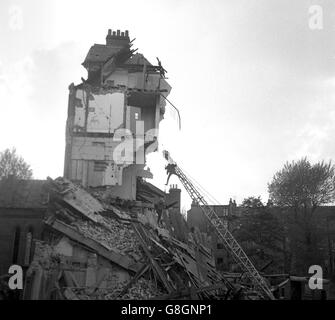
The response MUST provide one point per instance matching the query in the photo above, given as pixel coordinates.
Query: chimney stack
(117, 38)
(109, 37)
(174, 195)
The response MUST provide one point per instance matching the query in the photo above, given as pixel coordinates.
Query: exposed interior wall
(148, 117)
(126, 190)
(119, 77)
(106, 112)
(93, 142)
(137, 80)
(99, 113)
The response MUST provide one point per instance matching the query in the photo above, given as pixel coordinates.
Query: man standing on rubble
(159, 207)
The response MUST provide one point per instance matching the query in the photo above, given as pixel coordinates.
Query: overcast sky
(253, 82)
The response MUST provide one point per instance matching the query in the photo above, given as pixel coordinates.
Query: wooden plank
(189, 265)
(153, 262)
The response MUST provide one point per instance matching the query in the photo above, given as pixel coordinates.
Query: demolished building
(113, 117)
(105, 232)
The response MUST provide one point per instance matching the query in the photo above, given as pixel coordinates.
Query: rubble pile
(113, 235)
(143, 289)
(98, 251)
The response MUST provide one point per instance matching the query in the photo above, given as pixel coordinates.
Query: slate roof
(23, 194)
(138, 58)
(100, 53)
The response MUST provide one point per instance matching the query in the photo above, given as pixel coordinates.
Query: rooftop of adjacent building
(15, 193)
(33, 194)
(326, 210)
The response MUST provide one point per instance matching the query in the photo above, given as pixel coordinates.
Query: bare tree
(11, 164)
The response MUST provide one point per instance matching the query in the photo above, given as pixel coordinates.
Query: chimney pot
(122, 34)
(118, 33)
(127, 33)
(108, 38)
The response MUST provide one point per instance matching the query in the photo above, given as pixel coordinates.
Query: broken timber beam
(153, 262)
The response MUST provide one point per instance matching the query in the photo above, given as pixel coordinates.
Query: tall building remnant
(113, 117)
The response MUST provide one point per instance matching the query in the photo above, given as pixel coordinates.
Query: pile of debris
(97, 250)
(112, 234)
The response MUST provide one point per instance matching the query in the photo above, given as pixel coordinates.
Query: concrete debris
(143, 289)
(113, 235)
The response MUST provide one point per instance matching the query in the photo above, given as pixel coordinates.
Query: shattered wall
(113, 118)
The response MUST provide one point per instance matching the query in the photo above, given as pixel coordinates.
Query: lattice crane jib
(229, 241)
